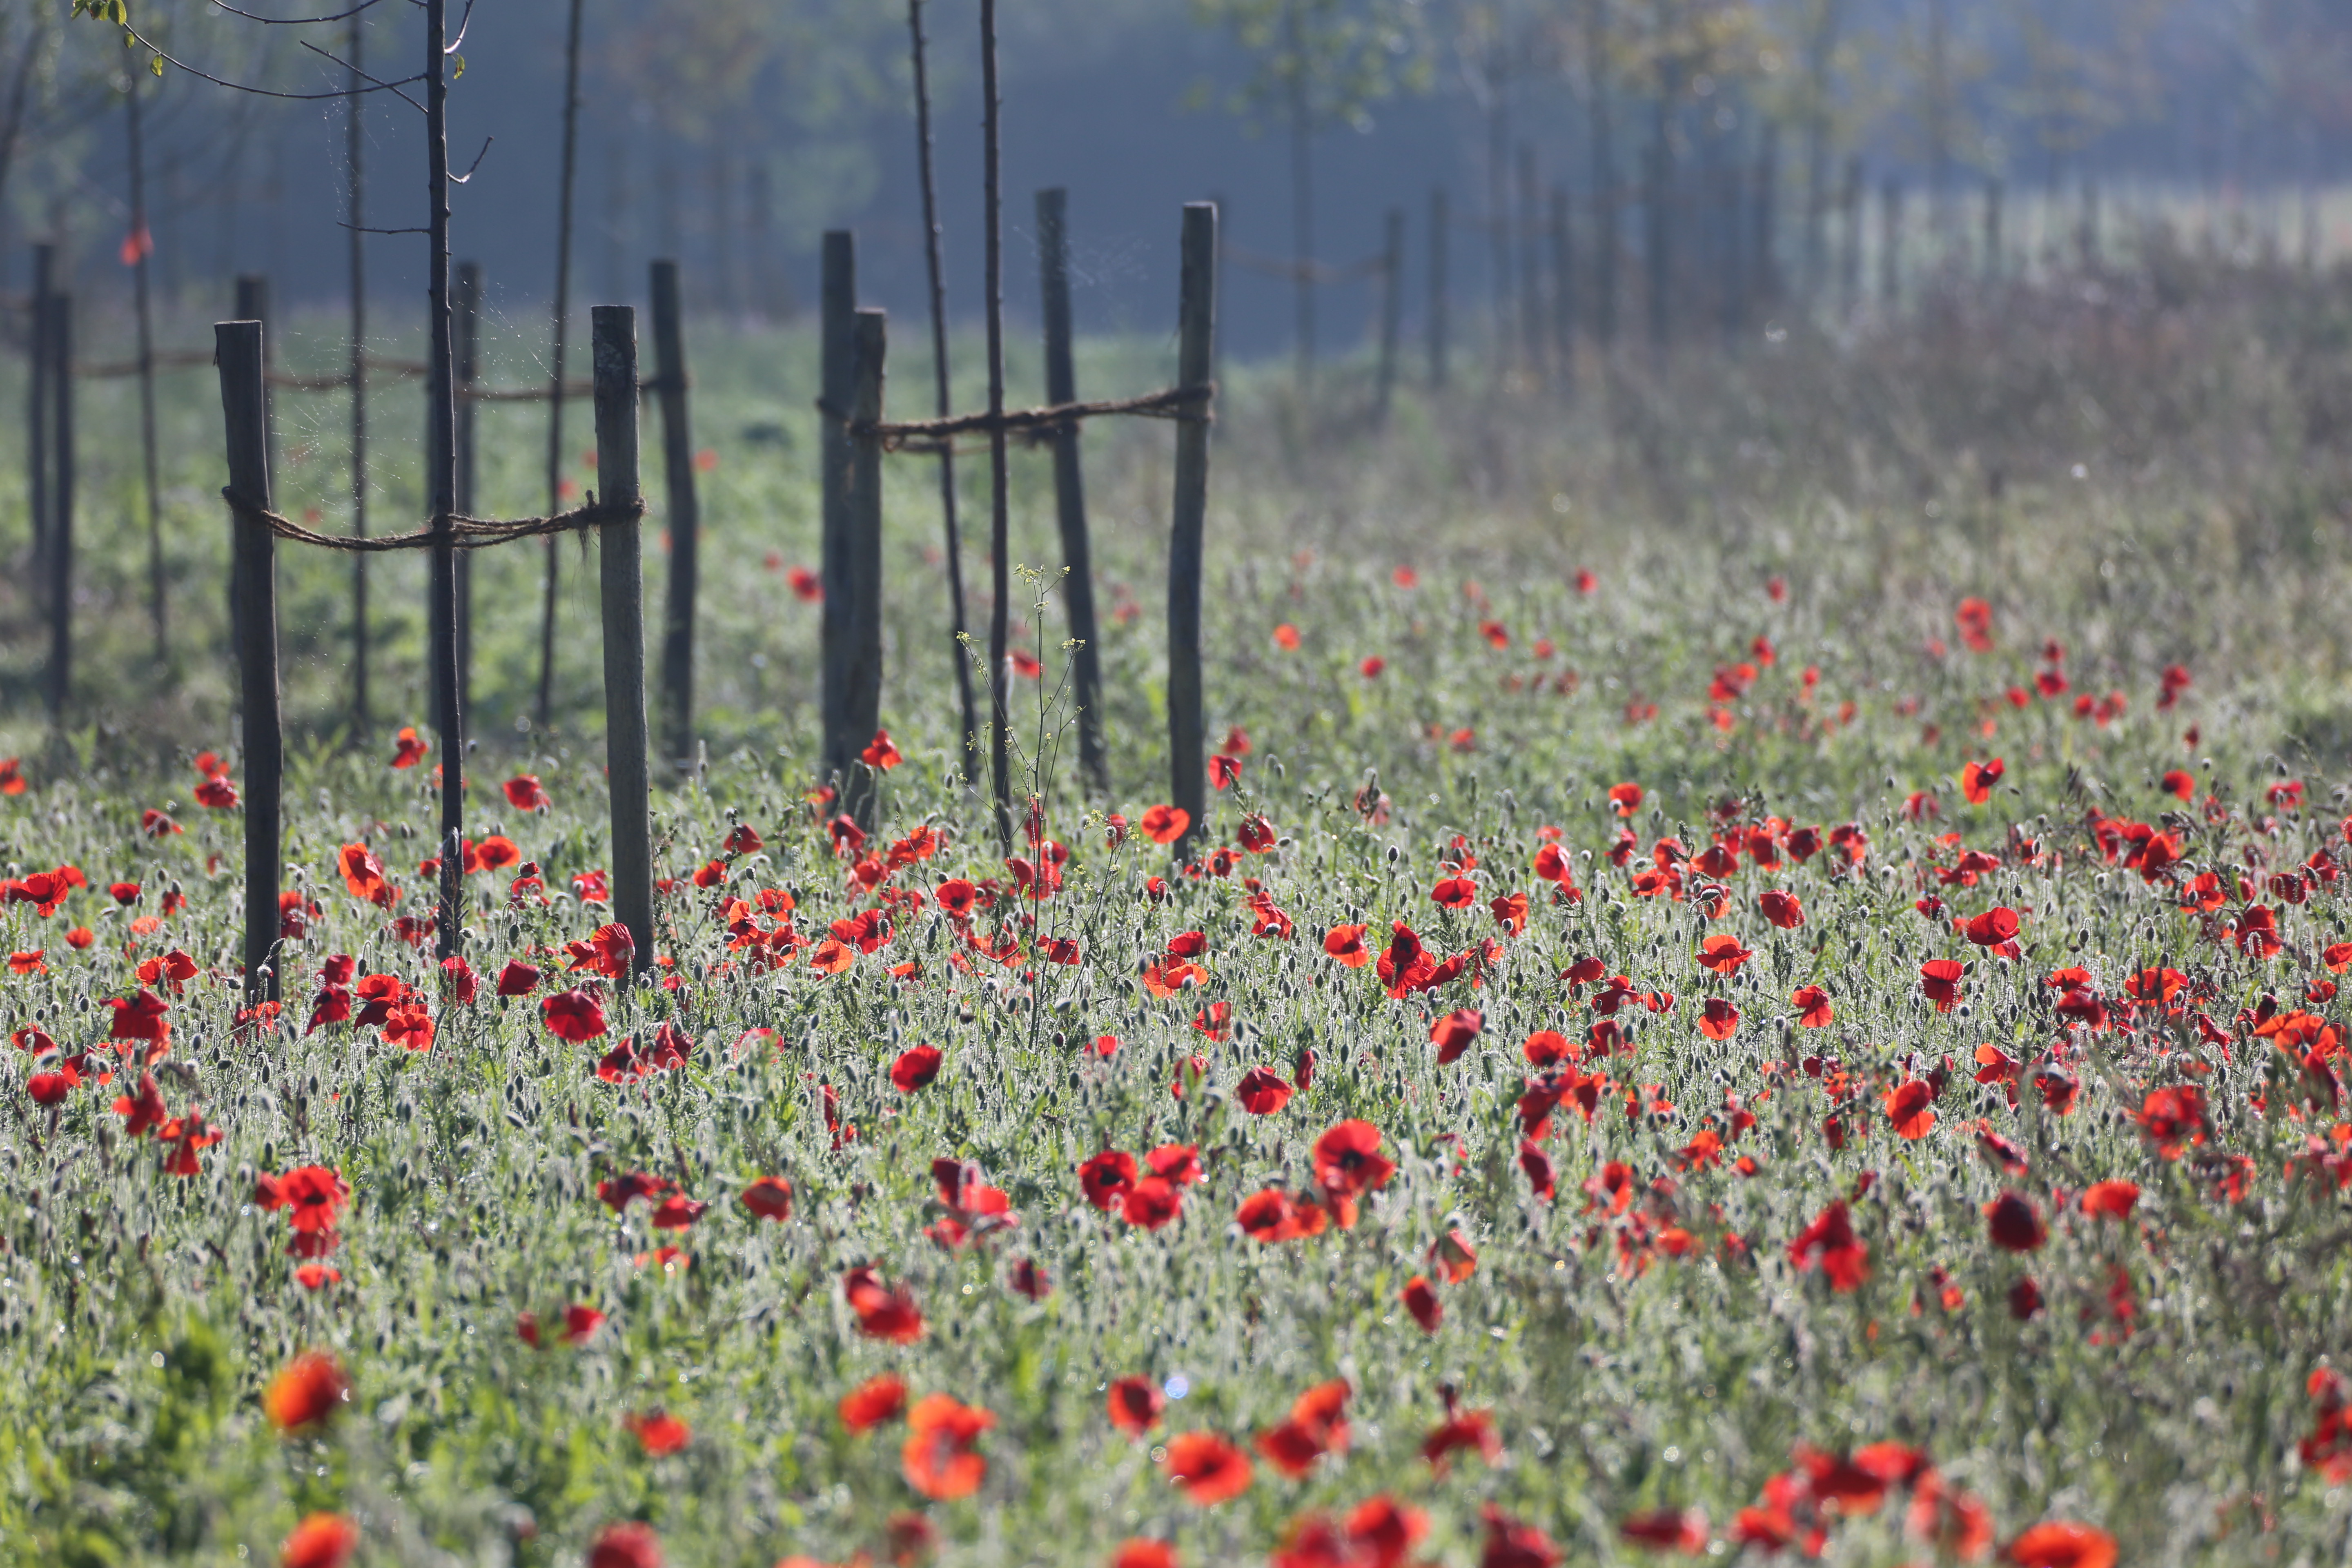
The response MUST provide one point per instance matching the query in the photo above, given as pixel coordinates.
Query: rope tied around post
(1191, 404)
(465, 532)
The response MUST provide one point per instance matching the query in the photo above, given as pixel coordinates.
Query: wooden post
(543, 711)
(621, 577)
(684, 521)
(37, 407)
(1563, 292)
(836, 382)
(466, 330)
(1532, 303)
(61, 503)
(861, 696)
(1069, 485)
(237, 350)
(253, 305)
(942, 404)
(1392, 313)
(354, 147)
(1992, 260)
(1890, 244)
(141, 245)
(1196, 324)
(999, 501)
(441, 487)
(1438, 223)
(1849, 237)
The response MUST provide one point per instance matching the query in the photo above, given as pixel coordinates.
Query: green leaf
(157, 64)
(461, 69)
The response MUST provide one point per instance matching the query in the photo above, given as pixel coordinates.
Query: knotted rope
(1034, 424)
(465, 532)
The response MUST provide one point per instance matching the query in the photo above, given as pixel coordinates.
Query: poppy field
(1810, 1039)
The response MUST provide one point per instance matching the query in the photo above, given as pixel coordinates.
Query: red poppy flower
(1680, 1530)
(1223, 771)
(1723, 953)
(1909, 1105)
(1215, 1020)
(518, 979)
(525, 793)
(658, 1432)
(1977, 781)
(1511, 1544)
(937, 1458)
(1165, 824)
(872, 1403)
(1135, 1405)
(1419, 1298)
(1106, 1176)
(217, 794)
(770, 1197)
(1346, 943)
(916, 1069)
(1626, 798)
(1452, 1033)
(320, 1540)
(1782, 910)
(1371, 666)
(407, 749)
(1453, 1257)
(884, 1312)
(2112, 1199)
(1454, 893)
(1262, 1091)
(1151, 1203)
(2173, 1119)
(141, 1017)
(306, 1394)
(1940, 981)
(1994, 927)
(1830, 1241)
(1348, 1161)
(12, 775)
(364, 874)
(143, 1110)
(1142, 1551)
(628, 1544)
(2013, 1225)
(574, 1015)
(2063, 1543)
(1207, 1467)
(1718, 1019)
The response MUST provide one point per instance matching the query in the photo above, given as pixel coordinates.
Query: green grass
(142, 1314)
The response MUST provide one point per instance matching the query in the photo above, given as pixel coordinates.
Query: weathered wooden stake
(1392, 313)
(836, 377)
(861, 694)
(1890, 244)
(237, 349)
(958, 626)
(1993, 258)
(544, 712)
(1195, 330)
(465, 303)
(999, 501)
(253, 305)
(141, 244)
(441, 487)
(61, 501)
(1563, 292)
(37, 407)
(684, 521)
(1070, 485)
(1439, 222)
(621, 576)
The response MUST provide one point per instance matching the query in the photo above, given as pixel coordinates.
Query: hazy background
(692, 108)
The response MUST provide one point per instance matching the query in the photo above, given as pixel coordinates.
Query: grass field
(1767, 983)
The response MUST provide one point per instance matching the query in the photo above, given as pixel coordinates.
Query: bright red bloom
(1723, 953)
(1346, 943)
(1626, 798)
(1262, 1091)
(1910, 1107)
(1106, 1176)
(2013, 1225)
(2063, 1543)
(884, 1312)
(1208, 1469)
(306, 1393)
(1718, 1019)
(524, 792)
(1994, 927)
(658, 1432)
(1977, 781)
(879, 753)
(937, 1458)
(143, 1110)
(408, 749)
(320, 1540)
(518, 979)
(1511, 1544)
(872, 1403)
(1666, 1530)
(628, 1544)
(770, 1197)
(574, 1015)
(1348, 1161)
(1830, 1241)
(1812, 1004)
(1135, 1405)
(1940, 981)
(2113, 1199)
(1781, 909)
(1151, 1203)
(1223, 771)
(141, 1017)
(1421, 1300)
(1165, 824)
(916, 1069)
(2173, 1119)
